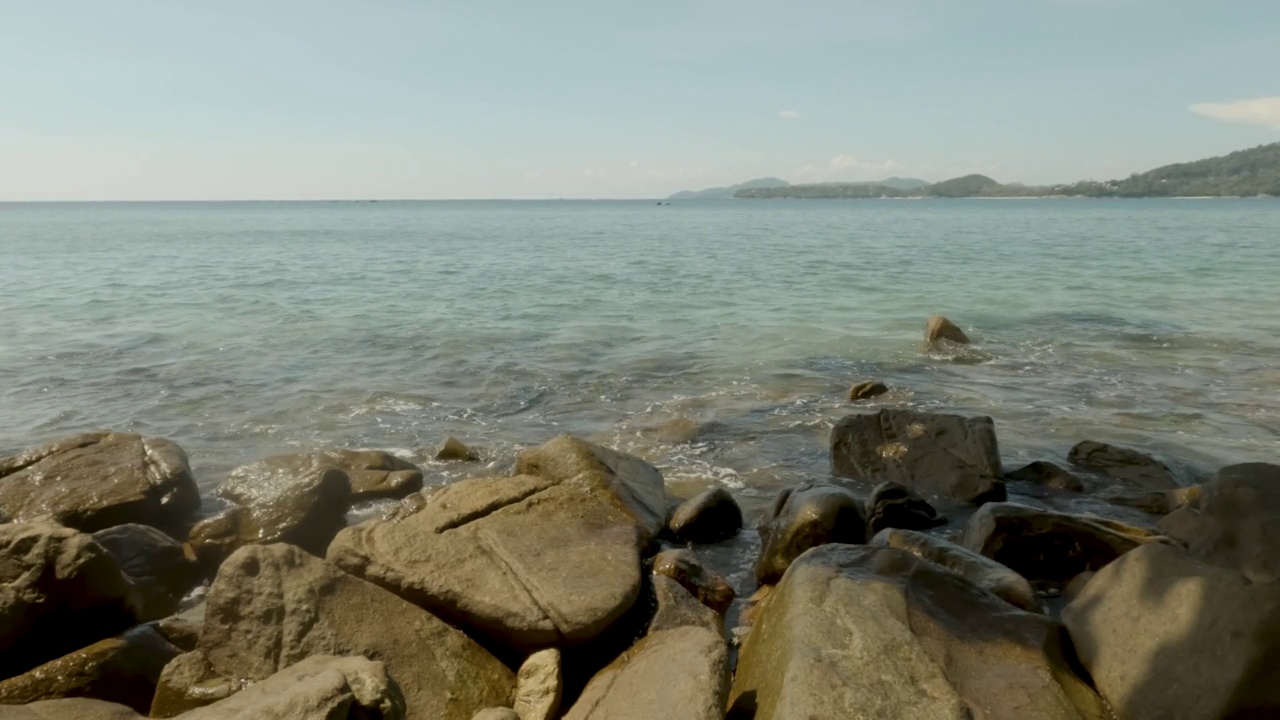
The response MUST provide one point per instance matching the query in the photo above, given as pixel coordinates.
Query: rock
(1155, 502)
(1170, 638)
(875, 632)
(1119, 463)
(1240, 521)
(1182, 525)
(1076, 585)
(69, 709)
(374, 474)
(708, 517)
(867, 389)
(935, 455)
(678, 431)
(939, 328)
(983, 572)
(98, 480)
(529, 561)
(678, 673)
(539, 686)
(121, 670)
(496, 714)
(455, 449)
(676, 607)
(702, 582)
(894, 506)
(1048, 475)
(805, 517)
(320, 687)
(188, 682)
(156, 563)
(59, 592)
(1049, 547)
(274, 605)
(181, 632)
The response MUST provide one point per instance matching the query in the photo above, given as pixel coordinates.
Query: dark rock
(59, 592)
(1076, 585)
(181, 632)
(702, 582)
(1049, 547)
(939, 328)
(875, 632)
(1048, 475)
(1154, 502)
(678, 608)
(99, 480)
(1240, 521)
(895, 506)
(121, 670)
(982, 571)
(708, 517)
(540, 686)
(455, 449)
(867, 389)
(374, 474)
(1123, 464)
(157, 564)
(935, 455)
(1182, 525)
(1167, 637)
(804, 517)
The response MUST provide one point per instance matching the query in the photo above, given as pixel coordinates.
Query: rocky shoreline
(573, 587)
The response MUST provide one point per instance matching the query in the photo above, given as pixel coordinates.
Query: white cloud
(788, 114)
(1258, 111)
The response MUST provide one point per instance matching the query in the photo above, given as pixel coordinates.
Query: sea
(246, 329)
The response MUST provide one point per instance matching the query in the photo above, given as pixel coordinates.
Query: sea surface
(240, 330)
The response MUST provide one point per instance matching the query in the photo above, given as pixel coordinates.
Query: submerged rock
(98, 480)
(1048, 475)
(894, 506)
(938, 328)
(157, 565)
(700, 581)
(678, 431)
(867, 389)
(455, 449)
(995, 578)
(1125, 464)
(708, 517)
(1239, 521)
(935, 455)
(374, 474)
(804, 517)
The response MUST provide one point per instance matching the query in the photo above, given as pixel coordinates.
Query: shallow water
(245, 329)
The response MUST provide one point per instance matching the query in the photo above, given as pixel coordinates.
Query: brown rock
(1182, 525)
(867, 389)
(539, 686)
(188, 682)
(320, 687)
(1123, 464)
(455, 449)
(69, 709)
(99, 480)
(1076, 586)
(1155, 502)
(496, 714)
(679, 431)
(1048, 475)
(374, 474)
(702, 582)
(157, 565)
(805, 517)
(939, 328)
(180, 631)
(895, 506)
(708, 517)
(983, 572)
(1240, 521)
(676, 607)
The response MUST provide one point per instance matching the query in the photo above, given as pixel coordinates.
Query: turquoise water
(244, 329)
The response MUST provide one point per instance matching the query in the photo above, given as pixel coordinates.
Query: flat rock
(374, 474)
(699, 580)
(273, 605)
(867, 389)
(59, 592)
(453, 449)
(98, 480)
(708, 517)
(1239, 521)
(320, 687)
(1167, 637)
(995, 578)
(1048, 475)
(938, 328)
(876, 632)
(936, 455)
(804, 517)
(121, 670)
(1125, 464)
(1049, 547)
(539, 686)
(157, 564)
(895, 506)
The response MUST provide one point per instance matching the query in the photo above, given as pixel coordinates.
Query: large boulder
(708, 517)
(375, 474)
(895, 506)
(947, 456)
(1050, 547)
(59, 592)
(98, 480)
(69, 709)
(938, 328)
(530, 561)
(320, 687)
(1125, 464)
(274, 605)
(875, 632)
(982, 571)
(1167, 637)
(1239, 521)
(804, 517)
(157, 564)
(867, 389)
(121, 670)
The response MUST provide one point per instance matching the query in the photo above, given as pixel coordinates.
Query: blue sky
(175, 99)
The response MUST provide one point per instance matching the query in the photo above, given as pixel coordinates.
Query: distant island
(1245, 173)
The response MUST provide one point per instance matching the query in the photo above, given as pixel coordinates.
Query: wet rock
(98, 480)
(1182, 525)
(455, 449)
(188, 682)
(867, 389)
(938, 328)
(320, 687)
(874, 632)
(894, 506)
(59, 592)
(1048, 475)
(273, 605)
(1154, 502)
(374, 474)
(528, 561)
(1125, 464)
(804, 517)
(676, 607)
(708, 517)
(983, 572)
(1049, 547)
(935, 455)
(700, 581)
(180, 631)
(1240, 521)
(539, 686)
(678, 431)
(497, 714)
(121, 670)
(1167, 637)
(69, 709)
(157, 564)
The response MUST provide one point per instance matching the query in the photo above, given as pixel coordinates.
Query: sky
(177, 99)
